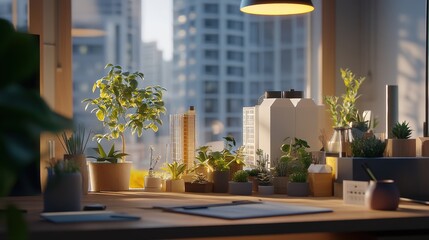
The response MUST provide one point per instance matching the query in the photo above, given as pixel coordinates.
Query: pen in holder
(380, 194)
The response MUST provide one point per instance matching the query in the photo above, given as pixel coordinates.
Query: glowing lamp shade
(276, 7)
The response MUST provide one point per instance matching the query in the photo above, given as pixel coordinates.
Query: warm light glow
(84, 32)
(277, 9)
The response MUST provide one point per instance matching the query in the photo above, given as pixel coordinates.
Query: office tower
(182, 137)
(224, 60)
(250, 134)
(116, 38)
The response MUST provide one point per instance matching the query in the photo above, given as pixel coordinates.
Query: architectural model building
(182, 137)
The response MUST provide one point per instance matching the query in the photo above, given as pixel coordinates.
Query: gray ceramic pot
(63, 193)
(240, 188)
(298, 189)
(220, 181)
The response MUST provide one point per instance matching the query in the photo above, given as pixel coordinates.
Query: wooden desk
(347, 221)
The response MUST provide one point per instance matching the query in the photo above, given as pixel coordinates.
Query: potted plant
(265, 185)
(201, 163)
(106, 174)
(199, 184)
(175, 183)
(280, 178)
(122, 105)
(343, 113)
(74, 147)
(253, 174)
(401, 145)
(368, 146)
(64, 187)
(298, 185)
(240, 184)
(152, 182)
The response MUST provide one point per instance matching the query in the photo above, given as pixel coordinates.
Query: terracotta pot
(401, 148)
(220, 181)
(81, 163)
(106, 176)
(63, 193)
(199, 187)
(240, 188)
(280, 184)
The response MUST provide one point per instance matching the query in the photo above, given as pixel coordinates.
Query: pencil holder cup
(382, 195)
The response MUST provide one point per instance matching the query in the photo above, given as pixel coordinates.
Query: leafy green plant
(261, 161)
(122, 105)
(240, 176)
(368, 147)
(175, 169)
(344, 111)
(281, 168)
(202, 158)
(199, 178)
(63, 167)
(401, 130)
(112, 156)
(220, 160)
(300, 176)
(296, 157)
(264, 179)
(76, 143)
(253, 172)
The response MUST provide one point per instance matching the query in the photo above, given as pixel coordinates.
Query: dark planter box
(220, 181)
(199, 187)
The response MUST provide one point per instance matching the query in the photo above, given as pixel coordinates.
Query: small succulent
(112, 156)
(401, 130)
(175, 169)
(199, 178)
(264, 179)
(298, 177)
(368, 147)
(240, 176)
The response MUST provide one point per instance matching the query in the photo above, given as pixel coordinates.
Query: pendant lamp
(276, 7)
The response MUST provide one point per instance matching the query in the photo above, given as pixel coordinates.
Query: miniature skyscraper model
(182, 137)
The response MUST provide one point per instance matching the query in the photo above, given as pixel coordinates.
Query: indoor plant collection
(122, 105)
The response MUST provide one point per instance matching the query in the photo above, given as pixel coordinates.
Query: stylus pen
(368, 171)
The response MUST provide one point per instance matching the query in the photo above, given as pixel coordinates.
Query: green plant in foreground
(368, 147)
(401, 130)
(240, 176)
(122, 105)
(343, 111)
(111, 156)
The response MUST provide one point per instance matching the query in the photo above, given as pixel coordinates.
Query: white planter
(152, 184)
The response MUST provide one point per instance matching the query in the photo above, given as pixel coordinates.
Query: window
(211, 38)
(211, 8)
(234, 122)
(211, 87)
(234, 25)
(286, 33)
(268, 33)
(254, 33)
(211, 23)
(235, 56)
(234, 105)
(234, 87)
(211, 54)
(211, 106)
(268, 63)
(286, 61)
(235, 40)
(234, 71)
(254, 88)
(254, 63)
(211, 70)
(233, 9)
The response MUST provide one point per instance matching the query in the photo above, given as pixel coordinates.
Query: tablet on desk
(87, 216)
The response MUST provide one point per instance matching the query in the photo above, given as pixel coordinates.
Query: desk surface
(155, 223)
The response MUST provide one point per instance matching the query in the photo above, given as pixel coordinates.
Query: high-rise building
(113, 36)
(224, 60)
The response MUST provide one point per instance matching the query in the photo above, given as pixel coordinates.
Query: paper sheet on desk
(87, 216)
(243, 211)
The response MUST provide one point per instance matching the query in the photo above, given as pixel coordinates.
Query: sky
(157, 24)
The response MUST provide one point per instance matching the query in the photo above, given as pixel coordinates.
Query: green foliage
(203, 158)
(261, 161)
(296, 156)
(62, 167)
(111, 156)
(240, 176)
(220, 160)
(122, 105)
(264, 179)
(175, 169)
(344, 111)
(253, 172)
(76, 143)
(298, 177)
(368, 147)
(281, 168)
(199, 178)
(401, 130)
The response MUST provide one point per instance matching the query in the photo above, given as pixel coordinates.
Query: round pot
(63, 193)
(152, 184)
(220, 181)
(106, 176)
(240, 188)
(266, 190)
(382, 195)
